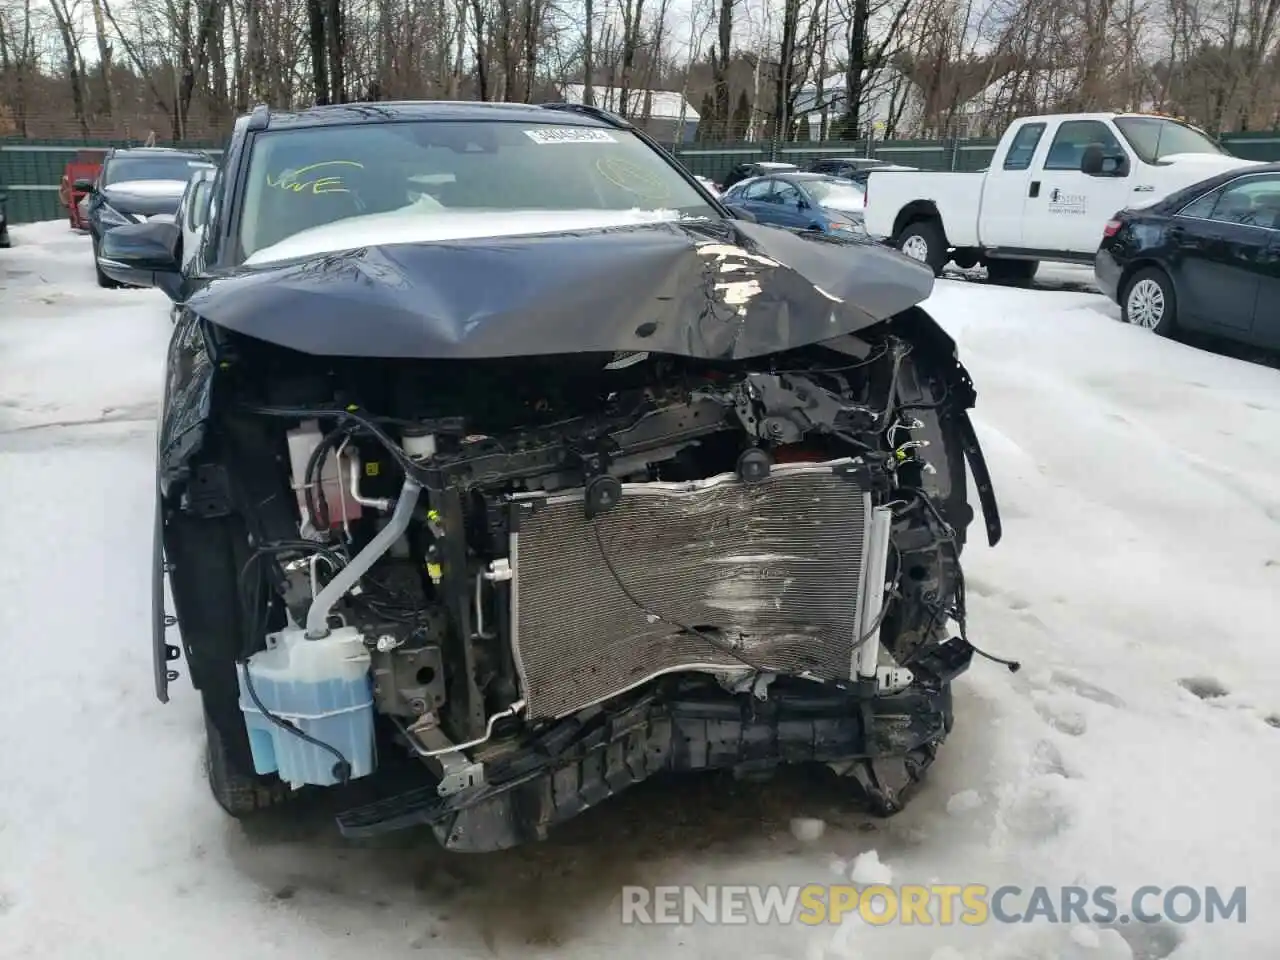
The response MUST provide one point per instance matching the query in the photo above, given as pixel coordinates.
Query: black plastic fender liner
(162, 652)
(920, 328)
(580, 763)
(982, 479)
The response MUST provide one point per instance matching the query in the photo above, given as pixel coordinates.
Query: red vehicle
(83, 169)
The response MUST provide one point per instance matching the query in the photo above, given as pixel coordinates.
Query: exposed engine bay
(535, 581)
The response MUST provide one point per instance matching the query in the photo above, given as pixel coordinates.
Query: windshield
(1154, 138)
(435, 180)
(837, 194)
(123, 169)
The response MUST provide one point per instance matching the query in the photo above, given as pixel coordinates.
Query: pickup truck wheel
(1012, 271)
(923, 241)
(1149, 302)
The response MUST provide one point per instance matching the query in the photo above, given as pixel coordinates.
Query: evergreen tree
(741, 118)
(706, 120)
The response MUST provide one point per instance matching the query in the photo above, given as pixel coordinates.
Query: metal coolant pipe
(322, 605)
(866, 658)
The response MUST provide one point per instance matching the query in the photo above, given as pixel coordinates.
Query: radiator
(773, 569)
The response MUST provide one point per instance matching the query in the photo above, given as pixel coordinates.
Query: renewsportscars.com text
(932, 904)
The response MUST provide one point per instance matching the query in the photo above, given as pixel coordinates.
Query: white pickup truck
(1052, 185)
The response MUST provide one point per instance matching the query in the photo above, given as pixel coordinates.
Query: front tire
(103, 280)
(924, 242)
(1148, 301)
(241, 794)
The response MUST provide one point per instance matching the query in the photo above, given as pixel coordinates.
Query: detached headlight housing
(111, 217)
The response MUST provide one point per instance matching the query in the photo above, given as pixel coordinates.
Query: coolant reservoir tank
(418, 443)
(334, 476)
(324, 689)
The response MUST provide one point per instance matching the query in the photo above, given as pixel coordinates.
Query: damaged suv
(501, 467)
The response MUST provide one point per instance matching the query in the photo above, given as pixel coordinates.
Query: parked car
(745, 171)
(1052, 184)
(1206, 258)
(711, 186)
(807, 201)
(136, 183)
(4, 218)
(78, 177)
(587, 507)
(857, 169)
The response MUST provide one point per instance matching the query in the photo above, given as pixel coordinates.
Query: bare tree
(66, 15)
(873, 33)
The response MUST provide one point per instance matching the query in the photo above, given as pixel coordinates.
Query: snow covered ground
(1139, 582)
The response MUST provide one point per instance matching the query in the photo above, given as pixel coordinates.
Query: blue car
(808, 201)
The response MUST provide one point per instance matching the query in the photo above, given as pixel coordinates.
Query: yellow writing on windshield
(633, 179)
(306, 180)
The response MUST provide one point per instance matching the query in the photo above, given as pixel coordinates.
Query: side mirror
(1096, 162)
(802, 203)
(1091, 161)
(144, 255)
(85, 185)
(198, 209)
(742, 213)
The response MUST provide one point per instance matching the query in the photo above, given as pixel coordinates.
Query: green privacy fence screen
(32, 169)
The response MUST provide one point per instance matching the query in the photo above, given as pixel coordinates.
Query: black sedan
(1206, 259)
(136, 184)
(4, 218)
(857, 169)
(745, 171)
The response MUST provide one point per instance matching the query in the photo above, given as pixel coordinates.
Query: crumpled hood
(145, 197)
(713, 290)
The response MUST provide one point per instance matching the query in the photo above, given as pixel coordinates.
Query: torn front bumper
(583, 760)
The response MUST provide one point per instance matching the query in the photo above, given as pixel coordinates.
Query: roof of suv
(157, 152)
(392, 111)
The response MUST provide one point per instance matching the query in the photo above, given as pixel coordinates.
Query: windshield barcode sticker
(569, 135)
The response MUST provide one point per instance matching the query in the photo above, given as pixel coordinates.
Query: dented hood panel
(723, 290)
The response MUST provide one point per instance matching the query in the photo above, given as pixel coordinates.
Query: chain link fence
(32, 169)
(124, 123)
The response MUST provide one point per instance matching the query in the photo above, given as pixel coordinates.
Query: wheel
(1149, 302)
(1012, 272)
(922, 240)
(103, 280)
(239, 793)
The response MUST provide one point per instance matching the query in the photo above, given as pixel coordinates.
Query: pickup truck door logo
(1076, 204)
